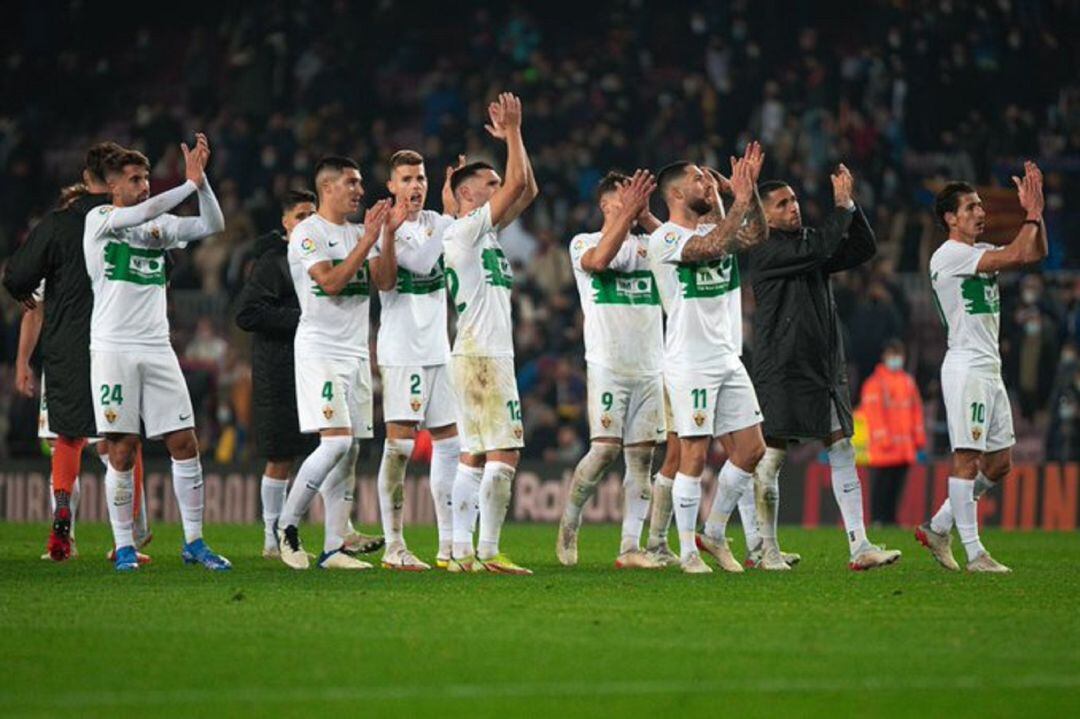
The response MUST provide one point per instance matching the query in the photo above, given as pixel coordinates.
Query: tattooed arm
(744, 226)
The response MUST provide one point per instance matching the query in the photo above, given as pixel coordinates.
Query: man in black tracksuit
(267, 306)
(53, 253)
(798, 364)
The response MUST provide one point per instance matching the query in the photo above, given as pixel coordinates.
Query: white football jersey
(968, 303)
(623, 320)
(333, 326)
(412, 327)
(127, 275)
(480, 280)
(701, 299)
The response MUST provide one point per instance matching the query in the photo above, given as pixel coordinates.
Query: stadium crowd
(907, 94)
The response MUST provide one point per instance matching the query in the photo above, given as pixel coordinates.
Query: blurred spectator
(893, 411)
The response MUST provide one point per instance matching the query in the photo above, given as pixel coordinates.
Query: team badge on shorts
(605, 420)
(976, 433)
(415, 404)
(328, 411)
(699, 418)
(110, 415)
(518, 431)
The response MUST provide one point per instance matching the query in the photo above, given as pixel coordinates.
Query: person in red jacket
(894, 415)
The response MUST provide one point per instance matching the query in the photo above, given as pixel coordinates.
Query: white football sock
(337, 494)
(686, 498)
(942, 522)
(74, 503)
(662, 510)
(120, 498)
(636, 495)
(495, 490)
(767, 492)
(273, 493)
(142, 519)
(731, 484)
(310, 477)
(188, 487)
(748, 518)
(444, 460)
(587, 474)
(466, 498)
(962, 499)
(391, 485)
(848, 491)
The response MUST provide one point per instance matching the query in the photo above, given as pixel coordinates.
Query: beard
(701, 206)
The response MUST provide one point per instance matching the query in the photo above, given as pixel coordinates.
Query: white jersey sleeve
(969, 305)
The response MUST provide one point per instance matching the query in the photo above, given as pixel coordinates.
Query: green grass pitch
(911, 640)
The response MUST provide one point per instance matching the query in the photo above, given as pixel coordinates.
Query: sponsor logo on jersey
(307, 245)
(328, 411)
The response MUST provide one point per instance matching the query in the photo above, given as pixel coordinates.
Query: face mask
(1031, 328)
(894, 363)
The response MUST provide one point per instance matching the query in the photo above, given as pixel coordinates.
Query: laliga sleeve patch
(307, 245)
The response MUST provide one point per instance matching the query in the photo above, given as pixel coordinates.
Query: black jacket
(268, 307)
(54, 252)
(798, 358)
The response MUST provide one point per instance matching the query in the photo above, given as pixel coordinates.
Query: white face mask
(894, 362)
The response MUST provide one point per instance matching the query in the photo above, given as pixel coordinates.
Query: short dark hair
(296, 197)
(670, 174)
(893, 344)
(770, 186)
(405, 157)
(115, 162)
(334, 163)
(95, 158)
(465, 172)
(948, 200)
(610, 183)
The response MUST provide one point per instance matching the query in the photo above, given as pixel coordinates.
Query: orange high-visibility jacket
(894, 415)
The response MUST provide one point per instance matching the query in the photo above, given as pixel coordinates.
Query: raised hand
(374, 220)
(843, 186)
(634, 193)
(496, 128)
(396, 217)
(451, 169)
(195, 159)
(755, 157)
(1030, 190)
(742, 184)
(723, 184)
(511, 111)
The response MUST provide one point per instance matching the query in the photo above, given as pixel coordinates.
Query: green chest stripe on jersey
(981, 295)
(498, 272)
(410, 283)
(357, 287)
(625, 288)
(702, 280)
(124, 263)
